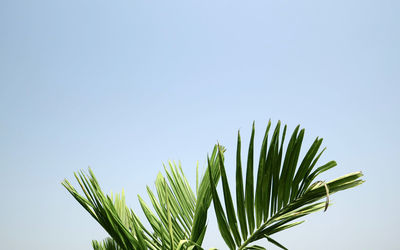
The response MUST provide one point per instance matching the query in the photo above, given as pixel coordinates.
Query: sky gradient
(124, 86)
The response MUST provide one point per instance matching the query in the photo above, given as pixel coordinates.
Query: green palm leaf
(178, 219)
(106, 244)
(284, 190)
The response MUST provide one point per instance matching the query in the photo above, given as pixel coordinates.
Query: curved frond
(284, 189)
(178, 216)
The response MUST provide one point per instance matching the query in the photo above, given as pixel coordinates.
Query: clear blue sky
(123, 86)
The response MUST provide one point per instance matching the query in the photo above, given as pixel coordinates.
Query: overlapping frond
(177, 218)
(284, 189)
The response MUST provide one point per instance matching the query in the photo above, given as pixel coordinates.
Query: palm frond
(102, 208)
(106, 244)
(203, 201)
(178, 219)
(284, 189)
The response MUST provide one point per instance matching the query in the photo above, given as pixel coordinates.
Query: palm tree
(283, 191)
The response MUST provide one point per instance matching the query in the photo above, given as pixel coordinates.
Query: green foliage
(107, 244)
(283, 190)
(283, 193)
(178, 219)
